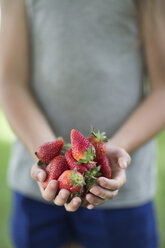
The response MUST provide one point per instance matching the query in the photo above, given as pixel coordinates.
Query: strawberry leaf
(89, 156)
(36, 154)
(40, 163)
(78, 194)
(65, 147)
(77, 179)
(99, 136)
(91, 177)
(60, 138)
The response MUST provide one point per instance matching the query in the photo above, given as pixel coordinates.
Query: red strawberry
(72, 181)
(97, 140)
(82, 149)
(49, 150)
(55, 168)
(90, 165)
(105, 167)
(99, 147)
(72, 162)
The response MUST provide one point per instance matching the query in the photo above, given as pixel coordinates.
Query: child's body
(83, 68)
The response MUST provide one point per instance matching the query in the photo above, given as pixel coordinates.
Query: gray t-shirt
(86, 69)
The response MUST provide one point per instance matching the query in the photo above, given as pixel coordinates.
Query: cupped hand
(109, 188)
(51, 192)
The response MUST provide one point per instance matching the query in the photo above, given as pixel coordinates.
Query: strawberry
(71, 180)
(55, 168)
(105, 167)
(48, 151)
(97, 140)
(72, 163)
(82, 149)
(90, 165)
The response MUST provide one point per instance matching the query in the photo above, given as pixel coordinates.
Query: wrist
(114, 141)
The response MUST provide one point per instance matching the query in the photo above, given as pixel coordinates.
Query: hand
(109, 188)
(51, 193)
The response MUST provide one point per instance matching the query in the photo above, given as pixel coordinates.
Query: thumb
(37, 173)
(124, 160)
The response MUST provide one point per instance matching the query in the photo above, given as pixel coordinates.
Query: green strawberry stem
(66, 147)
(72, 195)
(89, 156)
(36, 154)
(39, 161)
(99, 136)
(91, 177)
(77, 179)
(78, 194)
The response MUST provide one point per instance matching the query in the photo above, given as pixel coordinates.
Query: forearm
(22, 112)
(25, 117)
(147, 120)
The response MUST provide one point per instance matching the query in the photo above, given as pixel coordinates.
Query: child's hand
(50, 193)
(109, 188)
(38, 173)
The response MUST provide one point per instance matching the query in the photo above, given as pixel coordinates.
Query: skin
(15, 89)
(107, 190)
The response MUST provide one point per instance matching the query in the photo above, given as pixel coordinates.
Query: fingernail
(90, 207)
(124, 164)
(40, 176)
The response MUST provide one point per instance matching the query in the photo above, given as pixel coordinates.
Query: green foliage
(160, 200)
(5, 196)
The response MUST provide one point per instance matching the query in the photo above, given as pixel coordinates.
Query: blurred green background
(6, 137)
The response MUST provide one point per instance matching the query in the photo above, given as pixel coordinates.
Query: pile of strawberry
(75, 166)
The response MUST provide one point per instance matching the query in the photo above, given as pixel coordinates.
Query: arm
(149, 118)
(144, 123)
(18, 103)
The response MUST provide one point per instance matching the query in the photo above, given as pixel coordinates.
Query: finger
(50, 192)
(94, 200)
(84, 202)
(103, 193)
(112, 184)
(37, 173)
(124, 160)
(73, 205)
(90, 206)
(62, 197)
